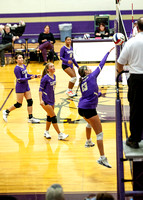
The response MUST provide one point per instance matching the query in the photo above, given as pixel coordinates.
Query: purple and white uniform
(67, 54)
(47, 87)
(22, 78)
(89, 88)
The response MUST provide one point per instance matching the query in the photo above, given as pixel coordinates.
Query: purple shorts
(66, 66)
(22, 88)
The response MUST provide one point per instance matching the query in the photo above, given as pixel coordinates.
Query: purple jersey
(67, 54)
(89, 88)
(47, 87)
(22, 78)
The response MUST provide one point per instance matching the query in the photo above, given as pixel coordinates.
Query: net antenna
(120, 27)
(132, 17)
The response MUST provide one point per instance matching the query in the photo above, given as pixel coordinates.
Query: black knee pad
(17, 105)
(49, 119)
(29, 102)
(54, 120)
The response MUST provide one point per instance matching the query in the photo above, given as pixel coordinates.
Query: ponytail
(45, 71)
(80, 81)
(81, 72)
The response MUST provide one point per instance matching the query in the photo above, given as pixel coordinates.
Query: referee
(132, 54)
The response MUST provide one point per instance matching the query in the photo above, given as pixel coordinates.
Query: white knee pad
(88, 125)
(99, 136)
(73, 79)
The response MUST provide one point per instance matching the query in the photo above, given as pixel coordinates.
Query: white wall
(38, 6)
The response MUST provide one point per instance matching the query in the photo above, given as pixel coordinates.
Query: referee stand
(134, 156)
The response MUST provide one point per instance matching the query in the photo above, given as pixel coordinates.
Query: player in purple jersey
(47, 100)
(87, 106)
(66, 55)
(22, 90)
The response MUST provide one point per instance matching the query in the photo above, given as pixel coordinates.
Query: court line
(6, 99)
(6, 82)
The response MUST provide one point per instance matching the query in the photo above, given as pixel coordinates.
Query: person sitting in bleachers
(7, 39)
(102, 31)
(46, 42)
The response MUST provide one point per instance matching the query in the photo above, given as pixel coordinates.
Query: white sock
(102, 157)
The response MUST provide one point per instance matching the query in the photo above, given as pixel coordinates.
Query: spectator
(7, 39)
(55, 192)
(102, 31)
(104, 196)
(91, 196)
(46, 42)
(135, 30)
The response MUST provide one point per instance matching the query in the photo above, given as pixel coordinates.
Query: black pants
(135, 98)
(4, 47)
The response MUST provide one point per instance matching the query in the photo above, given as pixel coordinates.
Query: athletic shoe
(62, 136)
(33, 120)
(89, 143)
(2, 65)
(132, 144)
(104, 162)
(70, 93)
(5, 115)
(73, 93)
(47, 135)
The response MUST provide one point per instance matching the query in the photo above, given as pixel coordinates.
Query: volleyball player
(66, 55)
(22, 90)
(87, 106)
(47, 100)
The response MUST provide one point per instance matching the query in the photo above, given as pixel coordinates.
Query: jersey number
(84, 87)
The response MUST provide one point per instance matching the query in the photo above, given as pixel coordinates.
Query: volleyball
(86, 36)
(118, 38)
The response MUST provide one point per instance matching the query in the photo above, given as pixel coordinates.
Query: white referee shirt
(132, 54)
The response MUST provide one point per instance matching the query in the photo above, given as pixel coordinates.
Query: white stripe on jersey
(99, 68)
(45, 93)
(96, 93)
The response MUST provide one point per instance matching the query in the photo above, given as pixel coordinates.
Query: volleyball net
(119, 27)
(122, 78)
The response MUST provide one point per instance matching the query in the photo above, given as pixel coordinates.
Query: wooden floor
(31, 163)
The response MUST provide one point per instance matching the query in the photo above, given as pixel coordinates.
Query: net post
(119, 145)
